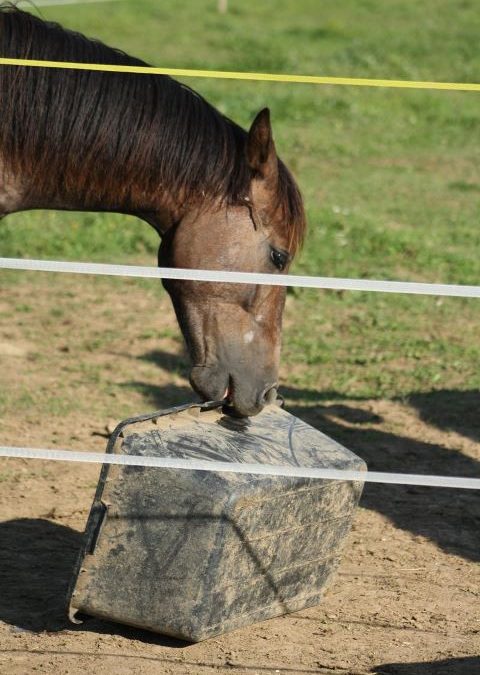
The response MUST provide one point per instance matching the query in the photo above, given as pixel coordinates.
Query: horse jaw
(232, 331)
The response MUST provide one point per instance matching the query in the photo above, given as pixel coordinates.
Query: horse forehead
(238, 230)
(261, 224)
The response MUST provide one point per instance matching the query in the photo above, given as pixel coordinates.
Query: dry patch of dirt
(76, 357)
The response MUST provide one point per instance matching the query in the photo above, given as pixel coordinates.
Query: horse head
(147, 145)
(233, 331)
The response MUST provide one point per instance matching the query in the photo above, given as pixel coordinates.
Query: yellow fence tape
(231, 75)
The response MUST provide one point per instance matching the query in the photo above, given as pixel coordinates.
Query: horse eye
(279, 258)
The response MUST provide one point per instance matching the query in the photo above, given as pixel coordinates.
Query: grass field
(390, 177)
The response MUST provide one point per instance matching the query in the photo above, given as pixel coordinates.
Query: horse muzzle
(244, 397)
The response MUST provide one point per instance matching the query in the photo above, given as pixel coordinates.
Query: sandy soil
(405, 599)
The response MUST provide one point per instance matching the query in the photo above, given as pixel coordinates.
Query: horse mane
(103, 135)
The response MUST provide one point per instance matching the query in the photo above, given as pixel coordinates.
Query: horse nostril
(268, 395)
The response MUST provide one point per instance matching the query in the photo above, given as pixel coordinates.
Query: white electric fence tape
(235, 467)
(453, 290)
(242, 278)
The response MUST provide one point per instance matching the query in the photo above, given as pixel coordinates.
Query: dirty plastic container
(193, 554)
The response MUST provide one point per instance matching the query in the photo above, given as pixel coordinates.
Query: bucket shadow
(37, 558)
(36, 562)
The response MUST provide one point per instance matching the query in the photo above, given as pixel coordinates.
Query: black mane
(104, 134)
(131, 127)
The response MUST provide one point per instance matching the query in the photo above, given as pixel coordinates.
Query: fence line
(298, 281)
(245, 278)
(238, 467)
(232, 75)
(250, 278)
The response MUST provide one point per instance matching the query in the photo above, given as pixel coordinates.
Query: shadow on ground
(37, 558)
(469, 665)
(450, 410)
(36, 562)
(435, 513)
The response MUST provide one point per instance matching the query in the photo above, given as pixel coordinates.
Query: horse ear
(261, 153)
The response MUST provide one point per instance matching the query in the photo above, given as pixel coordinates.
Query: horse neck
(20, 192)
(141, 144)
(161, 202)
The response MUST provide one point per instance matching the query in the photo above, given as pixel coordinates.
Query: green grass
(390, 177)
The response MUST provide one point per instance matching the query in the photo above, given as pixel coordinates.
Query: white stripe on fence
(236, 467)
(243, 278)
(415, 288)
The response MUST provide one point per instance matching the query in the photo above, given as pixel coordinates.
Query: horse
(146, 145)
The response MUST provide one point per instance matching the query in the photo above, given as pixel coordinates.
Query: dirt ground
(405, 599)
